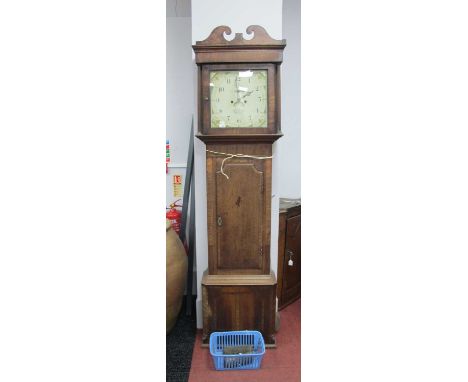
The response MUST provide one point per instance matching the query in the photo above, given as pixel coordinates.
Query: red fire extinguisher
(174, 215)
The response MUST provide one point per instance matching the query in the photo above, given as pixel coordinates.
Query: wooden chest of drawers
(289, 252)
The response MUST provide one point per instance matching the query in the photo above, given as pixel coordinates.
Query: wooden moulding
(245, 279)
(260, 38)
(261, 47)
(225, 138)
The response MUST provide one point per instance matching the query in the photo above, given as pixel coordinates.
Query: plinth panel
(239, 303)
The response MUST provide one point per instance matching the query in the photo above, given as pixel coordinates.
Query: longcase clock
(239, 119)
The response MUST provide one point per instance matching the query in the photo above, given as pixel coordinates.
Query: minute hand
(247, 93)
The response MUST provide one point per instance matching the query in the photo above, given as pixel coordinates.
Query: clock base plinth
(239, 302)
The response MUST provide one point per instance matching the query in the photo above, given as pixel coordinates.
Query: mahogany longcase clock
(239, 119)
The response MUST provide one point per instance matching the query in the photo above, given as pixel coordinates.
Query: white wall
(178, 8)
(206, 15)
(179, 93)
(179, 88)
(289, 147)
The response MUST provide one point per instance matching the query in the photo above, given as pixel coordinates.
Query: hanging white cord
(230, 156)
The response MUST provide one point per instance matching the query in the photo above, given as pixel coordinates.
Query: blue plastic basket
(219, 341)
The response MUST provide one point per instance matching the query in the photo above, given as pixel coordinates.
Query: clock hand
(238, 95)
(236, 84)
(246, 94)
(241, 96)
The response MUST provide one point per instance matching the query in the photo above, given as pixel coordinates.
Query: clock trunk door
(240, 214)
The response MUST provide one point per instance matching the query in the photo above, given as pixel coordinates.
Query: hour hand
(243, 90)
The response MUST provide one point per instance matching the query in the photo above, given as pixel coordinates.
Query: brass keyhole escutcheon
(220, 221)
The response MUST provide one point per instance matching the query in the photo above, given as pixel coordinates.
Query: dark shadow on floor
(179, 346)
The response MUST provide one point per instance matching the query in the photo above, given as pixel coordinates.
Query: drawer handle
(290, 254)
(220, 221)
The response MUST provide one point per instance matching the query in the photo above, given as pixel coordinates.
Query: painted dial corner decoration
(239, 98)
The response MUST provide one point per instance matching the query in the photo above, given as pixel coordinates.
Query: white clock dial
(239, 98)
